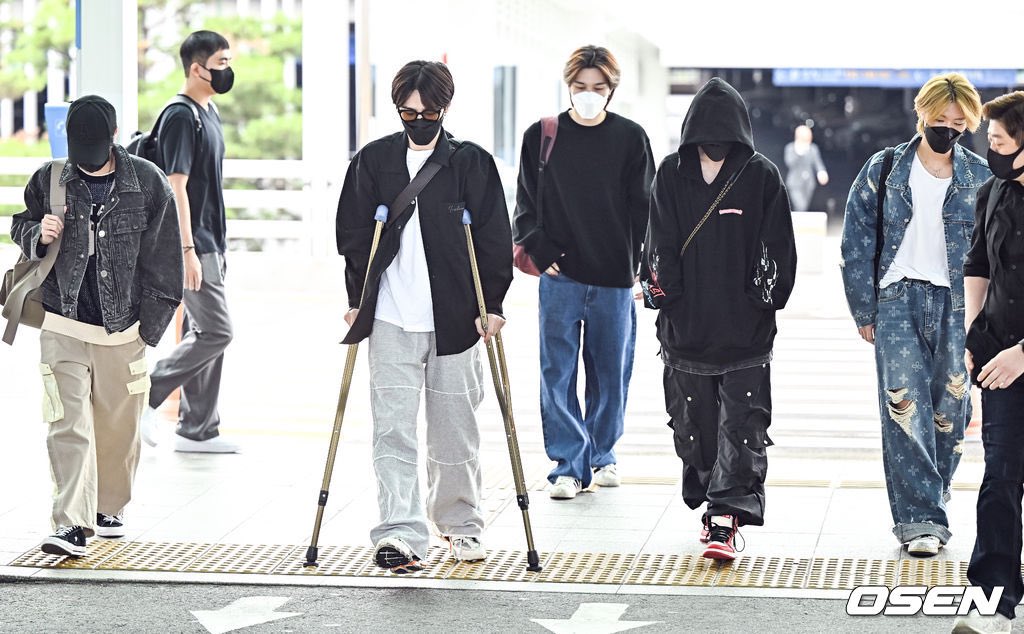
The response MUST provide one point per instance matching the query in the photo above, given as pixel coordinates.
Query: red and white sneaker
(721, 538)
(705, 532)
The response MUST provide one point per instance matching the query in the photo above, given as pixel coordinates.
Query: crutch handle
(381, 215)
(466, 218)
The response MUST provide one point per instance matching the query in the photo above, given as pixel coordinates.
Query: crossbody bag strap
(548, 134)
(718, 200)
(58, 199)
(20, 294)
(411, 191)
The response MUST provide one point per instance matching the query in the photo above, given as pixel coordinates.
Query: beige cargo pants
(95, 387)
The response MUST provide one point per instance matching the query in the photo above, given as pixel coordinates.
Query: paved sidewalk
(826, 497)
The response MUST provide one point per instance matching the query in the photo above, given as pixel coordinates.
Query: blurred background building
(314, 79)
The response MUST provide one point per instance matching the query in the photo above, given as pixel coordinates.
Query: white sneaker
(216, 444)
(926, 546)
(149, 427)
(607, 476)
(565, 488)
(466, 548)
(974, 623)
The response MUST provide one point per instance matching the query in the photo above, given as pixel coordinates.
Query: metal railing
(294, 198)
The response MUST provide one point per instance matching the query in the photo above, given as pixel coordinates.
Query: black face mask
(421, 131)
(221, 79)
(92, 169)
(1002, 164)
(940, 138)
(716, 151)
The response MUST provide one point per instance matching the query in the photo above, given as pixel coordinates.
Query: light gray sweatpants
(400, 364)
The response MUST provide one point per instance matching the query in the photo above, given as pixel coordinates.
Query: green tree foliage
(52, 29)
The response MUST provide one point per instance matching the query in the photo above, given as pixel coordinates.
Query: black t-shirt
(200, 156)
(997, 253)
(89, 308)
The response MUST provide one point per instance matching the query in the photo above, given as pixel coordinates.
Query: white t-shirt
(404, 299)
(922, 254)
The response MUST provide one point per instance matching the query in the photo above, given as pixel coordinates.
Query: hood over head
(717, 114)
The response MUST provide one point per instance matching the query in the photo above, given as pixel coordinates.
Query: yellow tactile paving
(820, 573)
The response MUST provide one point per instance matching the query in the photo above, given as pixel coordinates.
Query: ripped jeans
(924, 400)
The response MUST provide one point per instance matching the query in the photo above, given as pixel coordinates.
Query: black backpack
(145, 144)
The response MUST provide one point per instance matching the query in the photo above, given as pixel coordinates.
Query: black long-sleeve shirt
(997, 254)
(597, 188)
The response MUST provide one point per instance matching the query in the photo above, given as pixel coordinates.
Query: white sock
(721, 520)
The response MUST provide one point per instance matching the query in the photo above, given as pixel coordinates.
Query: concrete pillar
(108, 62)
(325, 116)
(54, 78)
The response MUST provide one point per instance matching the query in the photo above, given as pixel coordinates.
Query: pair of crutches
(502, 391)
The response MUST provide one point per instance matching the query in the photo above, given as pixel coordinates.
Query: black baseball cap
(90, 124)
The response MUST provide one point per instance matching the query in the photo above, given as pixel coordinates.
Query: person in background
(193, 158)
(804, 168)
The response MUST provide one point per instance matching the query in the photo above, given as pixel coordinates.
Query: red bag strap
(548, 132)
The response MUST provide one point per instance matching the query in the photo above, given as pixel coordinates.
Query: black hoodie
(718, 313)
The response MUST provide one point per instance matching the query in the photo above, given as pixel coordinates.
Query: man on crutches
(419, 310)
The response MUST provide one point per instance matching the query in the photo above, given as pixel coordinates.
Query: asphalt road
(33, 606)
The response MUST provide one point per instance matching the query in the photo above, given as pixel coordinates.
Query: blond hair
(940, 91)
(593, 57)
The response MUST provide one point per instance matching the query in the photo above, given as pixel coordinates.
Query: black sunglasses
(408, 114)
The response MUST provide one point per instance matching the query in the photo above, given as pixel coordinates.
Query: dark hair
(591, 56)
(432, 79)
(1009, 111)
(199, 46)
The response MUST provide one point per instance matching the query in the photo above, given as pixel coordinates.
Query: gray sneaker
(216, 444)
(974, 623)
(926, 546)
(466, 548)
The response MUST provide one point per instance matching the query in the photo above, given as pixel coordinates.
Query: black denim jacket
(138, 245)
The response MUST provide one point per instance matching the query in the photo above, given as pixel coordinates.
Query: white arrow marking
(593, 618)
(244, 612)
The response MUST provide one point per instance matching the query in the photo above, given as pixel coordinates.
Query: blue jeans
(606, 319)
(924, 401)
(996, 557)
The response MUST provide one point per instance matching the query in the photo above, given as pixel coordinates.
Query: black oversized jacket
(468, 179)
(718, 313)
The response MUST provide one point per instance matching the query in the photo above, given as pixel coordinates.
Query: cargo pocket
(747, 448)
(687, 440)
(141, 384)
(53, 408)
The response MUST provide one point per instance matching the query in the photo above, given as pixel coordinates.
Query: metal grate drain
(506, 565)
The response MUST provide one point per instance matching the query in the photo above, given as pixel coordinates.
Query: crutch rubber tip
(533, 561)
(466, 218)
(311, 556)
(381, 215)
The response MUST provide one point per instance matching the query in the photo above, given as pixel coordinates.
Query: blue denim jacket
(858, 245)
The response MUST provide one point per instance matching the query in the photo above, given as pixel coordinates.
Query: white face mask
(588, 104)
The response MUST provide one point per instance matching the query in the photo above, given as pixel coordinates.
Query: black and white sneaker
(109, 526)
(68, 541)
